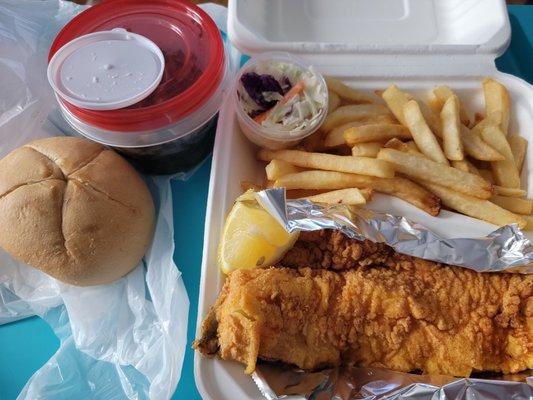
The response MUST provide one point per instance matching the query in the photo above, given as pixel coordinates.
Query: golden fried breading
(417, 316)
(331, 249)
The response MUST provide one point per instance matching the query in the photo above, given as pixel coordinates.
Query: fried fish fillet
(418, 316)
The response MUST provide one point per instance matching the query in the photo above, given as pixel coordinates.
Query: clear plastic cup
(267, 137)
(173, 128)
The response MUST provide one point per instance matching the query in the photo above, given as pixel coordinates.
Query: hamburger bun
(75, 210)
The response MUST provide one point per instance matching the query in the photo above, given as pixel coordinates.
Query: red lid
(190, 42)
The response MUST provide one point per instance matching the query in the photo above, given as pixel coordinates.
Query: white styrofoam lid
(106, 70)
(370, 26)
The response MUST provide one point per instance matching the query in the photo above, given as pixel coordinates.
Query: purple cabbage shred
(255, 85)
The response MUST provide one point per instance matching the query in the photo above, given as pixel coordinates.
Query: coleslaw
(282, 96)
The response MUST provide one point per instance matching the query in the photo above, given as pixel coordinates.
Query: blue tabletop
(26, 345)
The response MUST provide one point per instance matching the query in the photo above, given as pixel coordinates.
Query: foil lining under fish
(277, 382)
(505, 249)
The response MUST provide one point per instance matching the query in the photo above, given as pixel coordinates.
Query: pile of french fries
(430, 154)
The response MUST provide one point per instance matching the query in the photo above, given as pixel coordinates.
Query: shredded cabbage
(262, 89)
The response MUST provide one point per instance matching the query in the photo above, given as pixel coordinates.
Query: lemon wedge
(251, 237)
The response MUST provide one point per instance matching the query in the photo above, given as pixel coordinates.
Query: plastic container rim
(282, 136)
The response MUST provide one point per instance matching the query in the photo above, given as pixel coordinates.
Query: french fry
(367, 193)
(396, 100)
(302, 193)
(529, 222)
(477, 148)
(278, 168)
(497, 103)
(334, 101)
(440, 95)
(474, 207)
(330, 162)
(375, 132)
(409, 146)
(435, 104)
(410, 192)
(451, 129)
(368, 149)
(482, 123)
(398, 187)
(247, 185)
(323, 180)
(335, 137)
(519, 148)
(413, 147)
(397, 144)
(422, 135)
(352, 196)
(513, 204)
(465, 165)
(421, 168)
(357, 112)
(486, 174)
(431, 118)
(471, 167)
(305, 193)
(505, 172)
(509, 192)
(460, 164)
(345, 92)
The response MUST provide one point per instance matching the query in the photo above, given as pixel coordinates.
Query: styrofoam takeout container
(416, 44)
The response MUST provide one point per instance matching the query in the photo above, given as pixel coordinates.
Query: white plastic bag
(125, 340)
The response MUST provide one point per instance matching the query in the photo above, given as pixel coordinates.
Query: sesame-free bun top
(74, 209)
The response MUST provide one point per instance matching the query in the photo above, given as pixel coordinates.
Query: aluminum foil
(277, 382)
(507, 248)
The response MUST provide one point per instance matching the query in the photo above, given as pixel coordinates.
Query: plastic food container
(164, 128)
(268, 137)
(368, 45)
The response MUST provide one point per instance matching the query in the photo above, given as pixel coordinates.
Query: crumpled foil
(505, 249)
(278, 382)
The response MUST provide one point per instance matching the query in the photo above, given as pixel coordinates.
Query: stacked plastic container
(164, 124)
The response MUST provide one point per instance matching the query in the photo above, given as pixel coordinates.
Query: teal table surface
(26, 345)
